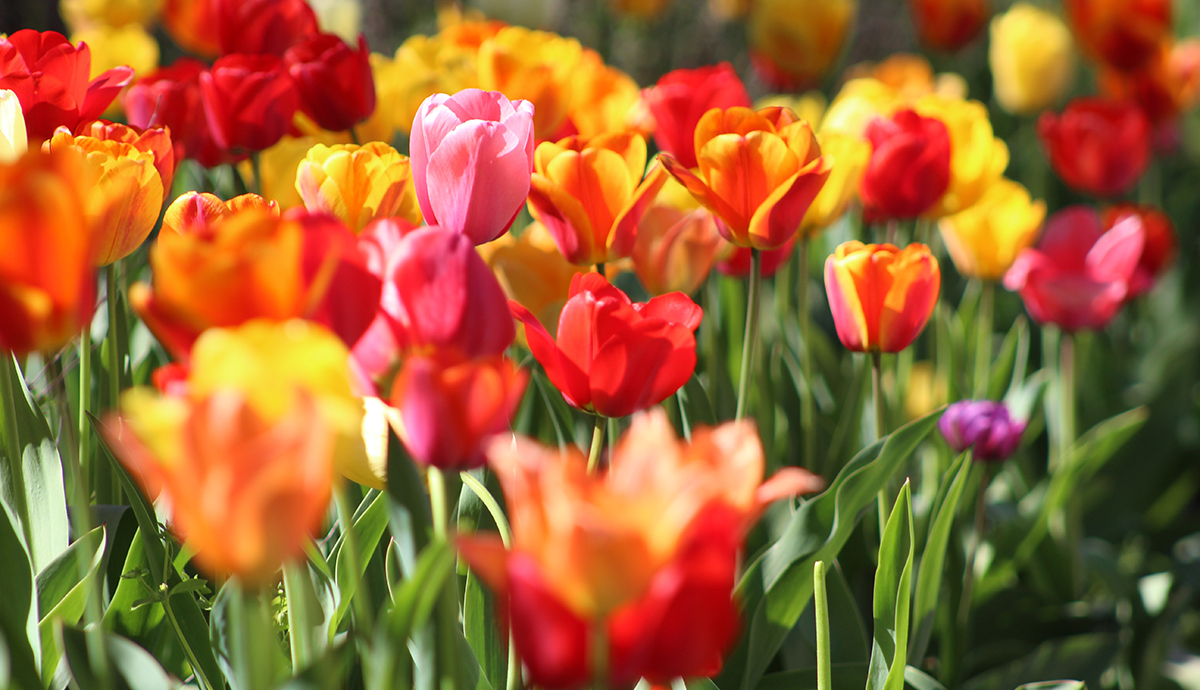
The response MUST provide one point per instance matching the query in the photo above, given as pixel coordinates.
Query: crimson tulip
(680, 99)
(262, 26)
(909, 169)
(335, 84)
(249, 101)
(1097, 146)
(614, 357)
(170, 97)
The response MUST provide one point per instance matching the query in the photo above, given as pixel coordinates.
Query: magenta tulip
(472, 158)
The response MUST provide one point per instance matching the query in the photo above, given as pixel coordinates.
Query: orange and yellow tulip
(881, 296)
(759, 173)
(358, 184)
(984, 240)
(677, 243)
(601, 98)
(535, 66)
(793, 43)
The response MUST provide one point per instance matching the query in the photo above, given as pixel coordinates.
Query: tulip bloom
(421, 67)
(1165, 87)
(50, 78)
(909, 168)
(675, 249)
(681, 97)
(249, 101)
(170, 97)
(794, 43)
(1158, 249)
(1078, 276)
(78, 13)
(647, 551)
(1121, 33)
(985, 239)
(534, 66)
(850, 156)
(532, 271)
(614, 357)
(192, 24)
(590, 195)
(14, 141)
(1032, 57)
(982, 425)
(358, 184)
(881, 296)
(977, 157)
(269, 27)
(335, 84)
(949, 24)
(153, 140)
(448, 410)
(472, 154)
(47, 280)
(1097, 146)
(759, 173)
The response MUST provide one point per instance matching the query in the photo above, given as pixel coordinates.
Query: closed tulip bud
(358, 184)
(1078, 276)
(794, 43)
(1121, 33)
(985, 239)
(532, 271)
(759, 173)
(131, 193)
(170, 97)
(590, 195)
(534, 66)
(13, 139)
(850, 156)
(675, 249)
(334, 82)
(639, 353)
(949, 24)
(909, 170)
(977, 157)
(472, 154)
(601, 97)
(737, 261)
(47, 279)
(50, 77)
(197, 213)
(1097, 146)
(647, 552)
(1159, 246)
(249, 101)
(983, 426)
(153, 140)
(681, 97)
(881, 296)
(1165, 87)
(1032, 57)
(192, 24)
(270, 27)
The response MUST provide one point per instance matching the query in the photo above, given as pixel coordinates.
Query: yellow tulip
(985, 239)
(13, 139)
(601, 97)
(113, 46)
(341, 17)
(277, 166)
(809, 106)
(421, 67)
(857, 103)
(358, 184)
(850, 155)
(977, 157)
(82, 14)
(1032, 58)
(536, 66)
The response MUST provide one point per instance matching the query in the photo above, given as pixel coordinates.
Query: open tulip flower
(881, 296)
(681, 97)
(601, 98)
(1097, 146)
(984, 240)
(534, 66)
(155, 140)
(590, 195)
(909, 170)
(1078, 276)
(758, 172)
(646, 552)
(614, 357)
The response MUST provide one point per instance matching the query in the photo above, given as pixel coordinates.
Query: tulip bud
(977, 157)
(1167, 86)
(170, 97)
(983, 426)
(985, 239)
(1032, 57)
(358, 184)
(249, 101)
(153, 140)
(675, 249)
(881, 296)
(909, 168)
(1097, 146)
(192, 24)
(262, 27)
(1121, 33)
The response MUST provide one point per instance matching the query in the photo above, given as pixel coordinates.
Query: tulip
(794, 43)
(1078, 276)
(192, 24)
(335, 84)
(532, 271)
(681, 97)
(858, 103)
(590, 195)
(810, 105)
(81, 13)
(614, 357)
(977, 157)
(13, 139)
(340, 17)
(197, 213)
(472, 154)
(737, 262)
(1097, 146)
(1165, 88)
(423, 66)
(153, 140)
(850, 156)
(534, 66)
(948, 24)
(47, 280)
(249, 101)
(985, 239)
(1032, 57)
(982, 425)
(358, 184)
(50, 78)
(130, 193)
(909, 168)
(647, 551)
(1122, 33)
(279, 164)
(759, 173)
(114, 47)
(170, 97)
(449, 410)
(1159, 247)
(881, 296)
(601, 98)
(675, 249)
(253, 27)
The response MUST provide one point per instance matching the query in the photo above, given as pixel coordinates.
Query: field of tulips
(611, 344)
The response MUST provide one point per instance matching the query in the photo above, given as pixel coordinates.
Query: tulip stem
(437, 501)
(256, 166)
(354, 136)
(821, 607)
(807, 414)
(600, 655)
(114, 358)
(983, 339)
(12, 444)
(750, 341)
(880, 430)
(85, 400)
(1066, 395)
(964, 604)
(597, 443)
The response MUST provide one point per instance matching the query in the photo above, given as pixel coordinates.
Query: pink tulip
(1078, 276)
(472, 157)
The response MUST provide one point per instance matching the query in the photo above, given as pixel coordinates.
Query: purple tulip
(984, 425)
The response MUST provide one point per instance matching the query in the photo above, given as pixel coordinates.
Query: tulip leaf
(778, 585)
(409, 512)
(482, 629)
(245, 638)
(1008, 367)
(1055, 685)
(63, 592)
(18, 615)
(370, 522)
(919, 680)
(390, 664)
(893, 593)
(137, 669)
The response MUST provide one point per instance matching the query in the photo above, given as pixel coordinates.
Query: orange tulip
(793, 43)
(47, 283)
(881, 296)
(153, 140)
(589, 193)
(535, 66)
(759, 173)
(193, 25)
(358, 184)
(677, 243)
(1124, 34)
(1165, 87)
(601, 98)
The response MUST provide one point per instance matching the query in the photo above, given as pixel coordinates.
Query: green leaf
(482, 629)
(246, 639)
(919, 680)
(410, 516)
(1081, 656)
(369, 526)
(18, 615)
(778, 586)
(1008, 369)
(390, 665)
(63, 592)
(136, 668)
(1055, 685)
(893, 592)
(156, 553)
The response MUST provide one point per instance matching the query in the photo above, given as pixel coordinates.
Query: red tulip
(909, 168)
(249, 101)
(612, 356)
(1121, 33)
(1159, 248)
(50, 77)
(738, 262)
(1078, 276)
(1097, 146)
(680, 99)
(335, 84)
(262, 26)
(170, 97)
(949, 24)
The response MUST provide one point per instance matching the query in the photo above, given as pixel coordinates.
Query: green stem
(597, 444)
(964, 604)
(614, 434)
(362, 612)
(751, 339)
(299, 639)
(807, 413)
(599, 655)
(85, 402)
(489, 502)
(115, 358)
(354, 137)
(821, 607)
(983, 340)
(194, 662)
(255, 165)
(437, 501)
(1066, 373)
(880, 431)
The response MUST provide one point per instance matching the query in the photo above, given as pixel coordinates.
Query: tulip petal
(639, 365)
(1115, 254)
(564, 373)
(102, 91)
(553, 639)
(624, 232)
(699, 190)
(565, 219)
(674, 307)
(777, 219)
